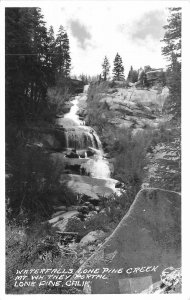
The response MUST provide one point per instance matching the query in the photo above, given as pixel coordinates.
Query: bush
(130, 152)
(98, 113)
(99, 221)
(113, 209)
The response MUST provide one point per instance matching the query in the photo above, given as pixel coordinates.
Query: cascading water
(88, 171)
(81, 137)
(72, 114)
(78, 137)
(98, 167)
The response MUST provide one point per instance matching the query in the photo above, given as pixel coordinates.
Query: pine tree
(17, 42)
(51, 46)
(172, 37)
(106, 68)
(63, 59)
(132, 75)
(50, 56)
(38, 75)
(172, 51)
(173, 81)
(129, 77)
(118, 70)
(25, 67)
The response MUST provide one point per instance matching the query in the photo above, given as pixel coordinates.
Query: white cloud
(111, 27)
(80, 32)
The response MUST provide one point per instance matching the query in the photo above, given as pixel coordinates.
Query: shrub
(117, 206)
(57, 97)
(98, 113)
(113, 209)
(130, 156)
(99, 221)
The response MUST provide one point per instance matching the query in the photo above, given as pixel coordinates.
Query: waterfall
(85, 90)
(81, 137)
(72, 115)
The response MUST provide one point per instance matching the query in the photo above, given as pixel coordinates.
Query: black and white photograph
(93, 147)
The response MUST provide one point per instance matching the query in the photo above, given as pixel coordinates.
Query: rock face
(133, 107)
(146, 241)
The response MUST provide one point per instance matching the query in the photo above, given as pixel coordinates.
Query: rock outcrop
(132, 107)
(146, 241)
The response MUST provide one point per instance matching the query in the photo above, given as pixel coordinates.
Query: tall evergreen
(50, 56)
(38, 75)
(172, 51)
(118, 70)
(62, 48)
(132, 75)
(172, 36)
(106, 68)
(25, 68)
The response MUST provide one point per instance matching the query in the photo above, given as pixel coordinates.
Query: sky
(99, 28)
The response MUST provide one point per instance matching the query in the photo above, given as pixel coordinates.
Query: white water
(97, 166)
(73, 112)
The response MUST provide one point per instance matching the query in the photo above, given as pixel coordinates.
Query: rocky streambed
(77, 150)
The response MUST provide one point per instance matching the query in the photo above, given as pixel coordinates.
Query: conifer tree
(118, 70)
(132, 75)
(51, 46)
(172, 36)
(50, 56)
(172, 51)
(63, 59)
(25, 67)
(106, 68)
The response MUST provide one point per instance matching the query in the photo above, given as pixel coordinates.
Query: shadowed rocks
(146, 241)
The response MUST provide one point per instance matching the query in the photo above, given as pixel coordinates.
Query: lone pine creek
(80, 138)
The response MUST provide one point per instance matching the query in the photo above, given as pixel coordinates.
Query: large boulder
(91, 237)
(61, 221)
(144, 244)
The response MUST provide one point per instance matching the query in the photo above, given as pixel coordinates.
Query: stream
(85, 148)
